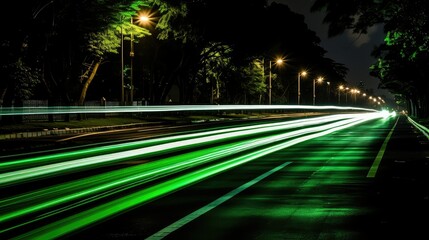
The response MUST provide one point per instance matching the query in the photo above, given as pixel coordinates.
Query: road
(366, 181)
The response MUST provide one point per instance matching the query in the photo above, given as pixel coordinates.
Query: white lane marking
(373, 170)
(192, 216)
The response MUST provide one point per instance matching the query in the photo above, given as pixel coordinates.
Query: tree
(215, 62)
(253, 85)
(244, 33)
(190, 46)
(18, 74)
(406, 24)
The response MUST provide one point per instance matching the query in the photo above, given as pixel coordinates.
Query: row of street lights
(142, 19)
(300, 74)
(356, 92)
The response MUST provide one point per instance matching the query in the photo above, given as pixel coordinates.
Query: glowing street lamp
(131, 64)
(144, 18)
(141, 20)
(346, 89)
(278, 61)
(355, 92)
(340, 88)
(319, 80)
(303, 73)
(328, 90)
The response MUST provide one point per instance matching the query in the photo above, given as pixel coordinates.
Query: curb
(58, 132)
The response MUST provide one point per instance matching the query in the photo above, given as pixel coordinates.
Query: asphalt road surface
(367, 181)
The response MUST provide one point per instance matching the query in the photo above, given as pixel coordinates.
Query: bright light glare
(144, 18)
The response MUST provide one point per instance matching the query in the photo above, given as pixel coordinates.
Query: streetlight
(141, 20)
(303, 73)
(340, 88)
(144, 18)
(131, 63)
(122, 63)
(346, 89)
(328, 86)
(319, 80)
(355, 92)
(278, 61)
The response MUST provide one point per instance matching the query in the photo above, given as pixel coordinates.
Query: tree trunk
(87, 83)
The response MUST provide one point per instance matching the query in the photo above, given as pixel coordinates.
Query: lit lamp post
(346, 89)
(278, 61)
(340, 88)
(303, 73)
(355, 92)
(319, 80)
(131, 63)
(142, 19)
(122, 64)
(328, 87)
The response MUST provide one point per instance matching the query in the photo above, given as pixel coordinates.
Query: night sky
(349, 49)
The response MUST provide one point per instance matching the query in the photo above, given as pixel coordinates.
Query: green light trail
(138, 144)
(145, 173)
(121, 189)
(147, 148)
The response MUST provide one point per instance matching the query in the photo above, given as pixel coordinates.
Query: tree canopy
(403, 58)
(210, 51)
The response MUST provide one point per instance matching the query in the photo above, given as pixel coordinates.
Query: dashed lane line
(192, 216)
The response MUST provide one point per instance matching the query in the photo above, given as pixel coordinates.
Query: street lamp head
(341, 87)
(303, 73)
(319, 79)
(143, 18)
(279, 61)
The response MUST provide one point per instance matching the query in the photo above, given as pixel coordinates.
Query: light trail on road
(7, 111)
(244, 143)
(145, 148)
